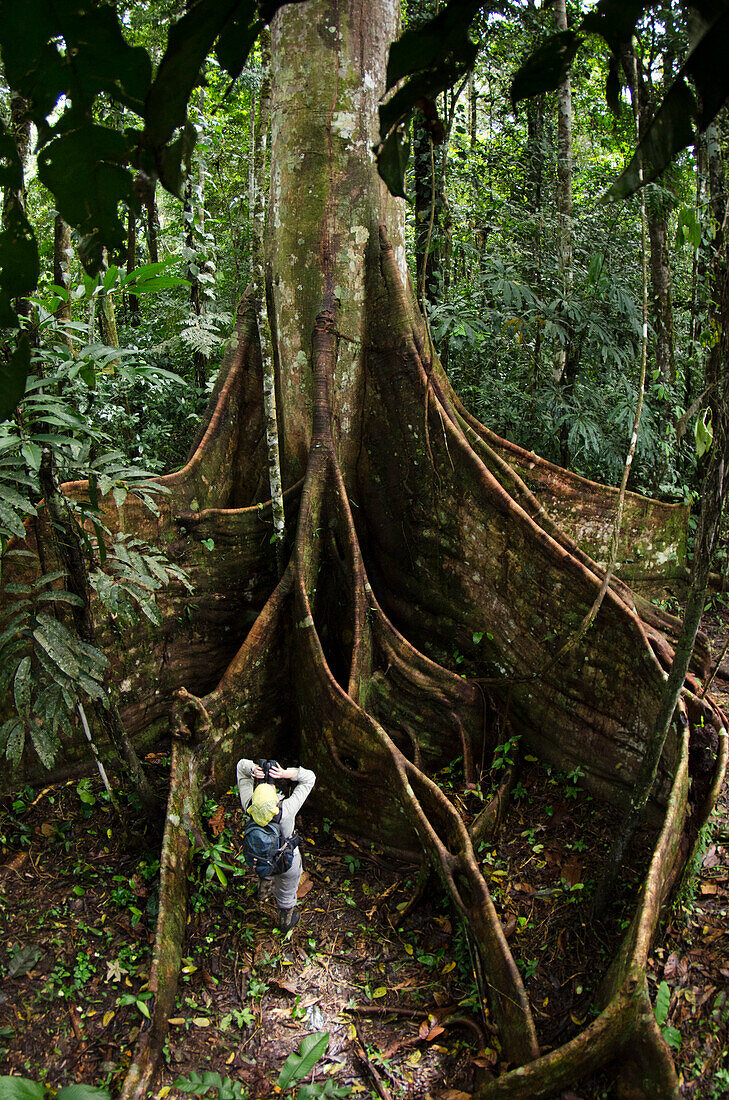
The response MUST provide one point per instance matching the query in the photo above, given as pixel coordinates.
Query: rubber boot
(265, 889)
(288, 918)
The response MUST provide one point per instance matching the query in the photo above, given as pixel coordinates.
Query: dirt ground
(78, 902)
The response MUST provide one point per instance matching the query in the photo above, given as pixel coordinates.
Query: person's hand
(258, 773)
(283, 773)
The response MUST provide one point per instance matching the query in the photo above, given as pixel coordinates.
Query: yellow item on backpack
(264, 804)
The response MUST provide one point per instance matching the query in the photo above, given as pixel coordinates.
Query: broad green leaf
(663, 997)
(157, 283)
(428, 59)
(545, 68)
(6, 731)
(189, 41)
(99, 156)
(32, 454)
(45, 742)
(11, 522)
(22, 689)
(703, 433)
(672, 128)
(672, 1036)
(670, 131)
(54, 638)
(615, 21)
(83, 1092)
(15, 743)
(440, 41)
(20, 1088)
(76, 47)
(12, 378)
(392, 161)
(300, 1062)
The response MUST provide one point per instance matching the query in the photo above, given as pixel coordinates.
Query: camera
(265, 766)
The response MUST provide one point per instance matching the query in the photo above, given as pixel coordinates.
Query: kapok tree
(412, 532)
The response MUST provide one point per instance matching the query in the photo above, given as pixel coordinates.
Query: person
(264, 803)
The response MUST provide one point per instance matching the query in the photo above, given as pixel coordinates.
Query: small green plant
(505, 753)
(671, 1035)
(139, 1000)
(301, 1062)
(528, 967)
(573, 780)
(223, 1087)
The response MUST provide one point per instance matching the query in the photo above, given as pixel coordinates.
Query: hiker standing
(265, 806)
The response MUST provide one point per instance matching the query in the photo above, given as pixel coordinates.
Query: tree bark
(661, 293)
(411, 535)
(152, 224)
(263, 324)
(20, 132)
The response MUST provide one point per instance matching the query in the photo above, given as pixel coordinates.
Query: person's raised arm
(244, 778)
(304, 780)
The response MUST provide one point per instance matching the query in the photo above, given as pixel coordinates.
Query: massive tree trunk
(411, 533)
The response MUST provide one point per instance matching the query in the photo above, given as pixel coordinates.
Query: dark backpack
(266, 850)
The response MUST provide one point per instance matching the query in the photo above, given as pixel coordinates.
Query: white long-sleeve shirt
(290, 806)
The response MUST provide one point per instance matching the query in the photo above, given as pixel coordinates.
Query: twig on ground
(380, 1087)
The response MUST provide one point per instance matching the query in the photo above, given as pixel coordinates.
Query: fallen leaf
(572, 871)
(305, 886)
(381, 991)
(24, 960)
(415, 1057)
(524, 888)
(48, 830)
(448, 967)
(176, 1020)
(671, 968)
(288, 987)
(107, 1018)
(434, 1033)
(711, 859)
(708, 888)
(509, 927)
(217, 821)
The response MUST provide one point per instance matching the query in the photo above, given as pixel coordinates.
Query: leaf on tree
(546, 68)
(428, 59)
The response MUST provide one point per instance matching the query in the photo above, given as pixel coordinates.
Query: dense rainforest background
(507, 706)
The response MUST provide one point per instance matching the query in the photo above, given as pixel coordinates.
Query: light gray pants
(286, 885)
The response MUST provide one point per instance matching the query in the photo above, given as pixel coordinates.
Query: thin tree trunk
(152, 225)
(262, 319)
(712, 504)
(16, 197)
(191, 210)
(661, 292)
(132, 299)
(61, 276)
(564, 193)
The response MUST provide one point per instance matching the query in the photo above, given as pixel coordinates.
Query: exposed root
(177, 849)
(485, 824)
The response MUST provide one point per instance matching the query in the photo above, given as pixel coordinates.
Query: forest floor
(399, 1001)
